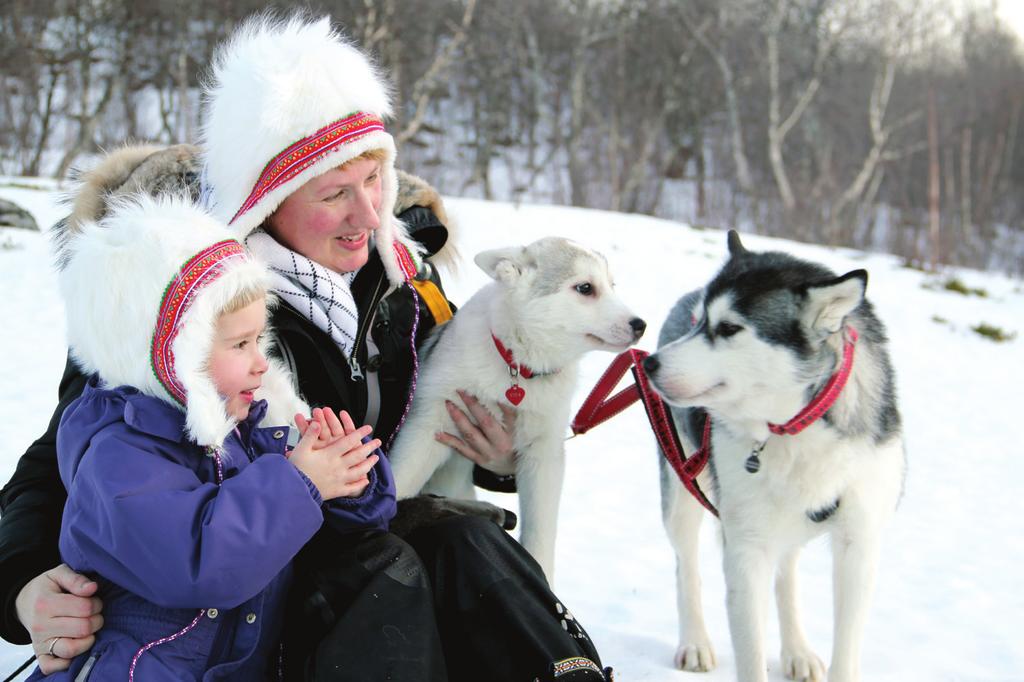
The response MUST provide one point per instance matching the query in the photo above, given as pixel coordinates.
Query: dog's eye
(726, 329)
(587, 289)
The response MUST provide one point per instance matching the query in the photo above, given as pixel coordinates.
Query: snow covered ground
(950, 596)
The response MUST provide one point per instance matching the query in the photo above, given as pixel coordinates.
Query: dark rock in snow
(12, 215)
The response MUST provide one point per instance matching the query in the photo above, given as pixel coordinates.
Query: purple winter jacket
(147, 519)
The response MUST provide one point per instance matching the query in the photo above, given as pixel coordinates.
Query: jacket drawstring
(162, 640)
(215, 453)
(415, 362)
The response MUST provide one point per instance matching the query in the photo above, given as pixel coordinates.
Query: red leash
(596, 409)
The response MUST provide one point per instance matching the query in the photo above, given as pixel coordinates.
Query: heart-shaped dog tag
(515, 394)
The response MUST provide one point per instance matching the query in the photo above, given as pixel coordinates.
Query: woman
(296, 159)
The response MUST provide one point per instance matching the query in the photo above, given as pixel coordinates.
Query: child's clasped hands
(332, 454)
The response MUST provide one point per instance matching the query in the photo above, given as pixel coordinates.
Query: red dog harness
(598, 408)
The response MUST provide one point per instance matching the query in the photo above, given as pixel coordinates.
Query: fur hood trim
(132, 169)
(125, 172)
(174, 171)
(287, 101)
(124, 324)
(415, 191)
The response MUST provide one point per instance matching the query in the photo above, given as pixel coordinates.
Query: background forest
(891, 125)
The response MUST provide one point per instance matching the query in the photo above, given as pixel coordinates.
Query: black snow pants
(456, 600)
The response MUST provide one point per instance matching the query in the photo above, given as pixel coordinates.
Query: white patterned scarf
(323, 296)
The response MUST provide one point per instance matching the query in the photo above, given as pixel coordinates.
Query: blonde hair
(248, 294)
(370, 154)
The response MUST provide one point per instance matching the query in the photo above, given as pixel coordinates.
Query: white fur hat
(287, 101)
(143, 289)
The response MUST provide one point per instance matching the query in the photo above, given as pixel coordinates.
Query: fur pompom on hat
(287, 101)
(144, 288)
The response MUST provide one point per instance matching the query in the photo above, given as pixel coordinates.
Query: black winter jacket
(325, 377)
(31, 507)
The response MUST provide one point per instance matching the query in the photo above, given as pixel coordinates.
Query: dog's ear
(828, 303)
(504, 265)
(736, 247)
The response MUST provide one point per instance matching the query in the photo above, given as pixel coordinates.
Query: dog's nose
(638, 326)
(651, 364)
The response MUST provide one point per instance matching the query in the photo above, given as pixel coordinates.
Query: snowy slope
(949, 604)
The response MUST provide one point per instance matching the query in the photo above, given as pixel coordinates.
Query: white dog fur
(550, 303)
(752, 348)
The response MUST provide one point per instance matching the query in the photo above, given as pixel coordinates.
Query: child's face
(236, 363)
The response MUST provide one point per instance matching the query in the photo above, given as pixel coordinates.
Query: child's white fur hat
(144, 288)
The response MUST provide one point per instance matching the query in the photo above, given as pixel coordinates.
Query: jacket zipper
(353, 361)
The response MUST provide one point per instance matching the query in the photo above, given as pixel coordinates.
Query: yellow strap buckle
(437, 304)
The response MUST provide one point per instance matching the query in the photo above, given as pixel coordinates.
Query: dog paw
(803, 665)
(695, 657)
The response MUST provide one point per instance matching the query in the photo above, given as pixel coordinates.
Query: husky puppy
(754, 348)
(517, 341)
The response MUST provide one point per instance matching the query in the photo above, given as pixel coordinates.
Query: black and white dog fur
(752, 348)
(551, 302)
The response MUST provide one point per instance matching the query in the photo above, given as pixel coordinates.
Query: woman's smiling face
(330, 218)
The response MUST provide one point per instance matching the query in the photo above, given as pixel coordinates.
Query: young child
(182, 504)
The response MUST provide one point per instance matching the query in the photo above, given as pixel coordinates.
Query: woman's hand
(332, 455)
(62, 615)
(485, 440)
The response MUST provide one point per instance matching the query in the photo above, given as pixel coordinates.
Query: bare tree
(428, 82)
(872, 168)
(817, 22)
(717, 51)
(796, 117)
(95, 35)
(934, 223)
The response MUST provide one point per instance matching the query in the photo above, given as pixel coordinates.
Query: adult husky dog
(757, 346)
(517, 341)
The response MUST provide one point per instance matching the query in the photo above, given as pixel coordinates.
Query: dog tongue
(515, 394)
